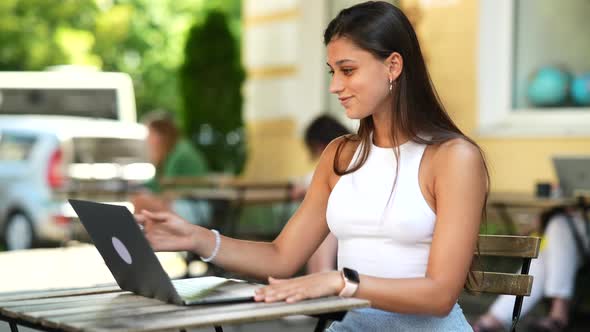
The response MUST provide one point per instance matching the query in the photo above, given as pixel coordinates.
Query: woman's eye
(331, 72)
(347, 71)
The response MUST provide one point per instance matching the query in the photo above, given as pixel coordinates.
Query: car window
(97, 103)
(16, 147)
(108, 150)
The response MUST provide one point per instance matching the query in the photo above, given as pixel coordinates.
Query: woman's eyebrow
(340, 62)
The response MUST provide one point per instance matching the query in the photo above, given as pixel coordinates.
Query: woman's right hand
(166, 231)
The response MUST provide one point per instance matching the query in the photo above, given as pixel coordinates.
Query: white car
(64, 135)
(46, 159)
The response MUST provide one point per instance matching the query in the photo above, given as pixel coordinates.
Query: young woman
(404, 196)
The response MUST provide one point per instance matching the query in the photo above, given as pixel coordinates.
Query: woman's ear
(395, 65)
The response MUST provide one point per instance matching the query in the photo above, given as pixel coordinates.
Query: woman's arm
(460, 184)
(304, 232)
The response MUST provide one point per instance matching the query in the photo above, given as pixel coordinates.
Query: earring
(390, 85)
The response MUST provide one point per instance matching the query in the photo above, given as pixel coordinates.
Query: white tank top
(379, 236)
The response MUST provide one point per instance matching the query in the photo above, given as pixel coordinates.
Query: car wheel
(19, 233)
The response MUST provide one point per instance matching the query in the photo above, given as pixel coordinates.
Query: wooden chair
(525, 247)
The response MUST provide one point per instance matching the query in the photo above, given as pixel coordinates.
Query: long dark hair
(381, 29)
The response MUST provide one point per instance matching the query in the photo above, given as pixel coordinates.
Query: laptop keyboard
(193, 287)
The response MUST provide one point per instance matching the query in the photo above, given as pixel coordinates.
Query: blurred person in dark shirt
(319, 133)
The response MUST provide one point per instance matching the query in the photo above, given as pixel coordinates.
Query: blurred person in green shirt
(172, 156)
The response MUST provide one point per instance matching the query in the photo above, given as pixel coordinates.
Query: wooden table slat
(118, 303)
(19, 296)
(63, 299)
(222, 315)
(64, 319)
(108, 313)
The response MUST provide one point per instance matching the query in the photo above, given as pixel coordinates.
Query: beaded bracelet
(216, 249)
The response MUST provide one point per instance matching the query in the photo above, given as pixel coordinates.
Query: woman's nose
(335, 85)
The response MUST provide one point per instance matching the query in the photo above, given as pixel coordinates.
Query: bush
(210, 83)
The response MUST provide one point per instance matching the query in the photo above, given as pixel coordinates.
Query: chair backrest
(525, 247)
(520, 285)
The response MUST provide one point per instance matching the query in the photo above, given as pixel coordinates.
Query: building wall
(276, 103)
(287, 83)
(287, 86)
(448, 34)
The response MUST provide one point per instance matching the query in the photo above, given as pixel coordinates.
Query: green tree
(144, 38)
(211, 78)
(35, 34)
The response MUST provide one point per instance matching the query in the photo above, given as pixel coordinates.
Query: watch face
(351, 275)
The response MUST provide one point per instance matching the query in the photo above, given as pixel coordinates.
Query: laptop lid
(125, 250)
(573, 173)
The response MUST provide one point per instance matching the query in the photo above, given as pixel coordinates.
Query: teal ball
(580, 91)
(548, 87)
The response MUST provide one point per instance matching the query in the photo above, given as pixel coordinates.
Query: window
(99, 103)
(534, 68)
(108, 150)
(15, 147)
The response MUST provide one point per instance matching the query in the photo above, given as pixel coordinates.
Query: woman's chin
(352, 114)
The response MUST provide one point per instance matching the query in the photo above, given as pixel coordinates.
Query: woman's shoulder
(457, 151)
(456, 147)
(342, 149)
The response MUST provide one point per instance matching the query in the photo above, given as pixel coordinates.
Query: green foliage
(144, 38)
(211, 79)
(33, 32)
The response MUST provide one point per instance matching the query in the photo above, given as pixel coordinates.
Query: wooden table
(501, 202)
(520, 199)
(107, 308)
(231, 193)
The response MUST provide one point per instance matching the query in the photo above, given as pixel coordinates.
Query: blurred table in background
(229, 195)
(504, 203)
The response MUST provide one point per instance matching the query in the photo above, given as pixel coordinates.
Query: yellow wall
(448, 32)
(275, 151)
(283, 55)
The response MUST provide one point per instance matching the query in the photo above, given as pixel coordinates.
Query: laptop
(573, 173)
(135, 267)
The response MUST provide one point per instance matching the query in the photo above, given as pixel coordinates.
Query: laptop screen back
(573, 173)
(124, 248)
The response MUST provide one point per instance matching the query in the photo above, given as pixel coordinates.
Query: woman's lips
(344, 101)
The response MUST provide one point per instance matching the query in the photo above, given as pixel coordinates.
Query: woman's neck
(382, 134)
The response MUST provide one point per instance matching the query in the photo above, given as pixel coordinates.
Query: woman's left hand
(301, 288)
